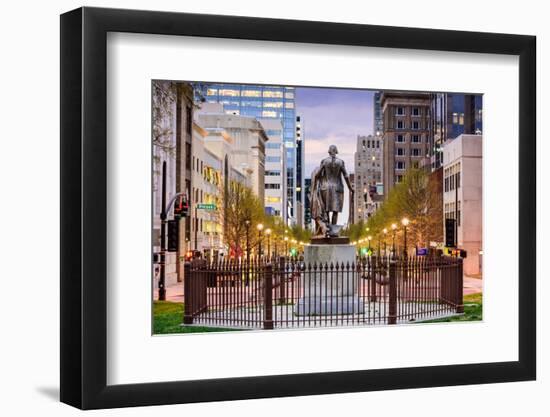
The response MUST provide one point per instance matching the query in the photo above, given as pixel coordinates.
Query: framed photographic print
(291, 208)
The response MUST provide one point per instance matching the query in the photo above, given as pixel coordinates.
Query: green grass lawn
(168, 316)
(473, 306)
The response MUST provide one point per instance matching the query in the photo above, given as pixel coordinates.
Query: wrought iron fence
(286, 293)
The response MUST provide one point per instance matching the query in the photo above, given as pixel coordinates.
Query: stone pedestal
(329, 291)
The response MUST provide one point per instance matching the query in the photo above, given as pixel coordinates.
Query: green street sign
(210, 206)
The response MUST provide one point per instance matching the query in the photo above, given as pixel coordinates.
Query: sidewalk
(472, 285)
(174, 292)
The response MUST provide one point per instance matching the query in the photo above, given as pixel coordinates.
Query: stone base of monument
(334, 305)
(327, 291)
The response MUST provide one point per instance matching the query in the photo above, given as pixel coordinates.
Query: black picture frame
(84, 207)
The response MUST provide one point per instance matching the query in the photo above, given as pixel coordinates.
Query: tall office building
(275, 169)
(263, 102)
(453, 115)
(300, 154)
(378, 122)
(367, 176)
(406, 134)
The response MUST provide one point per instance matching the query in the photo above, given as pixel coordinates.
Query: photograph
(281, 207)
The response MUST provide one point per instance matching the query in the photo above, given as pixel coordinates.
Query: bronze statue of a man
(328, 190)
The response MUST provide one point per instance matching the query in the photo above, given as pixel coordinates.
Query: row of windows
(272, 186)
(367, 144)
(275, 159)
(414, 138)
(400, 165)
(273, 173)
(451, 177)
(414, 111)
(228, 92)
(273, 132)
(415, 125)
(451, 213)
(403, 152)
(272, 145)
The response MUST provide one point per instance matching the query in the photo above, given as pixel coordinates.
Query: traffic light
(293, 252)
(450, 233)
(181, 207)
(173, 235)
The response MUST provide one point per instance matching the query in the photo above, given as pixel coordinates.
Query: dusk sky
(333, 117)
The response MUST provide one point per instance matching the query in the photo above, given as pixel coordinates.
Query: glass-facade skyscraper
(453, 115)
(265, 102)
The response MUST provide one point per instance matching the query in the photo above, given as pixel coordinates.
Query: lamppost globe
(268, 231)
(405, 221)
(385, 231)
(393, 226)
(260, 227)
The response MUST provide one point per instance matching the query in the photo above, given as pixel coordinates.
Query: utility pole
(196, 227)
(162, 279)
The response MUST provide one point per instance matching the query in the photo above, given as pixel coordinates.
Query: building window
(398, 178)
(272, 186)
(289, 95)
(400, 151)
(415, 152)
(273, 104)
(275, 159)
(400, 124)
(251, 93)
(270, 145)
(268, 113)
(400, 111)
(416, 125)
(273, 94)
(416, 111)
(212, 92)
(415, 138)
(400, 165)
(229, 93)
(273, 199)
(400, 138)
(289, 105)
(273, 173)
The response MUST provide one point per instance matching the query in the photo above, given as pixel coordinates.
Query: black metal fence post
(268, 297)
(187, 294)
(392, 300)
(282, 279)
(459, 285)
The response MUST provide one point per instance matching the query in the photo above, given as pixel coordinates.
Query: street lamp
(286, 245)
(385, 231)
(260, 228)
(405, 223)
(393, 228)
(268, 233)
(247, 226)
(369, 238)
